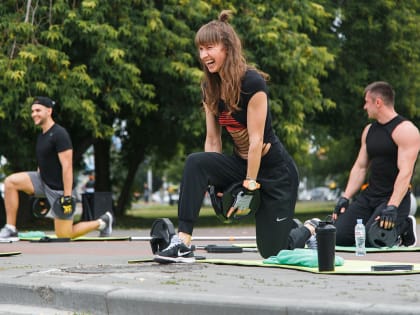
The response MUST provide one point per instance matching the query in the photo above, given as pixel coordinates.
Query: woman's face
(212, 56)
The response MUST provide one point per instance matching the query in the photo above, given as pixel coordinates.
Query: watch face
(252, 185)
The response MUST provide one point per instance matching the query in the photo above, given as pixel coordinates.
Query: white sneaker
(9, 234)
(108, 219)
(312, 243)
(176, 252)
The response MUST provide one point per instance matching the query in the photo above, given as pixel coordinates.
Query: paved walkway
(95, 278)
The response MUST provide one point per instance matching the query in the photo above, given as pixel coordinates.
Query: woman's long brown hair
(228, 81)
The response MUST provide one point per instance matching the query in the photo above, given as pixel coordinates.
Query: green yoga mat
(98, 238)
(37, 236)
(378, 250)
(356, 267)
(6, 254)
(350, 267)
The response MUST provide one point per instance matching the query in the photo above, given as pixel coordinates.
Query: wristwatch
(251, 184)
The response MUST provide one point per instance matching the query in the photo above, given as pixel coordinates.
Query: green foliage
(377, 40)
(276, 37)
(71, 55)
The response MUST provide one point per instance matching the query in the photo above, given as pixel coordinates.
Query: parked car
(164, 197)
(323, 194)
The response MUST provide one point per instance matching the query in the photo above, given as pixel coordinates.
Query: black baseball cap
(43, 100)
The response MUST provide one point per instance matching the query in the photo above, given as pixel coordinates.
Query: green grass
(142, 216)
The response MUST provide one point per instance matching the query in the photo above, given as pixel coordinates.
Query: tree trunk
(2, 212)
(102, 165)
(125, 197)
(25, 217)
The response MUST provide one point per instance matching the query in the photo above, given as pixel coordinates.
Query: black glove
(342, 202)
(66, 203)
(388, 217)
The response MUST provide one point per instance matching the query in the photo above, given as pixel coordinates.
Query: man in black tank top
(387, 157)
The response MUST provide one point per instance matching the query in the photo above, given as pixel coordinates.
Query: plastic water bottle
(360, 237)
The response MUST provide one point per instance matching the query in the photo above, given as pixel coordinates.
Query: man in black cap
(53, 180)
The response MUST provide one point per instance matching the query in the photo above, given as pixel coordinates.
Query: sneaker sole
(169, 260)
(413, 225)
(8, 239)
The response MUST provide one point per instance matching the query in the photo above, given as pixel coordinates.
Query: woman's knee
(196, 161)
(196, 157)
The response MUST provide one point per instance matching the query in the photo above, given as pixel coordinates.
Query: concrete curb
(104, 299)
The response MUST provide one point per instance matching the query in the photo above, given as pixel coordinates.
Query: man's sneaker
(313, 222)
(409, 237)
(108, 219)
(296, 223)
(176, 252)
(312, 243)
(9, 234)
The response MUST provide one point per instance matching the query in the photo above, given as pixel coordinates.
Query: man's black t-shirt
(48, 145)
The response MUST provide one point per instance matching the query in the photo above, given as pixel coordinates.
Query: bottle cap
(359, 221)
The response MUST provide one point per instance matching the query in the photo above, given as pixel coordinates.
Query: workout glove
(66, 203)
(388, 217)
(342, 202)
(242, 203)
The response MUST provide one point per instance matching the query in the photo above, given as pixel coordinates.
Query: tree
(69, 53)
(276, 37)
(375, 41)
(129, 68)
(117, 66)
